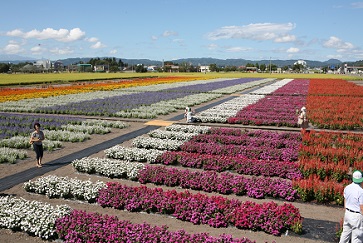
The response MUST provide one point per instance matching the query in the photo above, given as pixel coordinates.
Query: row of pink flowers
(80, 226)
(215, 211)
(265, 145)
(276, 109)
(224, 183)
(238, 164)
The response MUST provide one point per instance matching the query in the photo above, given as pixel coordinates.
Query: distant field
(27, 79)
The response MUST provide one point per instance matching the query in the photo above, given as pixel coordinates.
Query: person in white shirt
(353, 204)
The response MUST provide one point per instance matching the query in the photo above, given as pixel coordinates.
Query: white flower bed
(10, 155)
(93, 129)
(133, 154)
(33, 217)
(66, 136)
(54, 187)
(188, 128)
(20, 142)
(108, 167)
(156, 143)
(221, 112)
(106, 123)
(272, 87)
(162, 134)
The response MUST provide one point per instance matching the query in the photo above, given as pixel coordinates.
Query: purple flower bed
(277, 109)
(80, 226)
(264, 145)
(239, 164)
(22, 124)
(215, 211)
(224, 183)
(111, 105)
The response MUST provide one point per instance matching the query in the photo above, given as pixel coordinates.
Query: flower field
(207, 161)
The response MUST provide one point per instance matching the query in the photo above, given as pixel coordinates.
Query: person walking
(353, 204)
(302, 120)
(36, 139)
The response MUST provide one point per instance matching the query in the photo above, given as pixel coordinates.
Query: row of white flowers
(55, 187)
(188, 128)
(156, 143)
(105, 123)
(272, 87)
(93, 129)
(220, 113)
(147, 149)
(108, 167)
(133, 154)
(163, 134)
(10, 155)
(33, 217)
(66, 136)
(21, 142)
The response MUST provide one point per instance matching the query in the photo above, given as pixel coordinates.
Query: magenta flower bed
(224, 183)
(265, 145)
(215, 211)
(276, 109)
(238, 164)
(80, 226)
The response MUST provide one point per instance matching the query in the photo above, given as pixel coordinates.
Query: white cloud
(114, 51)
(237, 49)
(62, 35)
(58, 51)
(154, 37)
(336, 43)
(286, 38)
(92, 39)
(98, 45)
(212, 46)
(13, 48)
(292, 50)
(357, 5)
(258, 31)
(169, 33)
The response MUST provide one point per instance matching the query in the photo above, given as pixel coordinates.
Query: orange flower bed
(14, 94)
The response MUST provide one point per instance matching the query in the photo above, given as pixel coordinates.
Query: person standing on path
(353, 204)
(36, 139)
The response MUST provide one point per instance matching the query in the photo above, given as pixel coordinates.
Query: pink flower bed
(80, 226)
(265, 145)
(224, 183)
(215, 211)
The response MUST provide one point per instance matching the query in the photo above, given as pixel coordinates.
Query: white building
(45, 64)
(301, 62)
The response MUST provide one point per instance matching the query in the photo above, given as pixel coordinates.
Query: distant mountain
(15, 58)
(192, 61)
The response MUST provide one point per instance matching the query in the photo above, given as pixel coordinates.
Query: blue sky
(169, 30)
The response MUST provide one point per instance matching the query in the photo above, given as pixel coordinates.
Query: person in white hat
(353, 204)
(302, 119)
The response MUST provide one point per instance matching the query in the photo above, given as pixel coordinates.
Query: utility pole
(270, 65)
